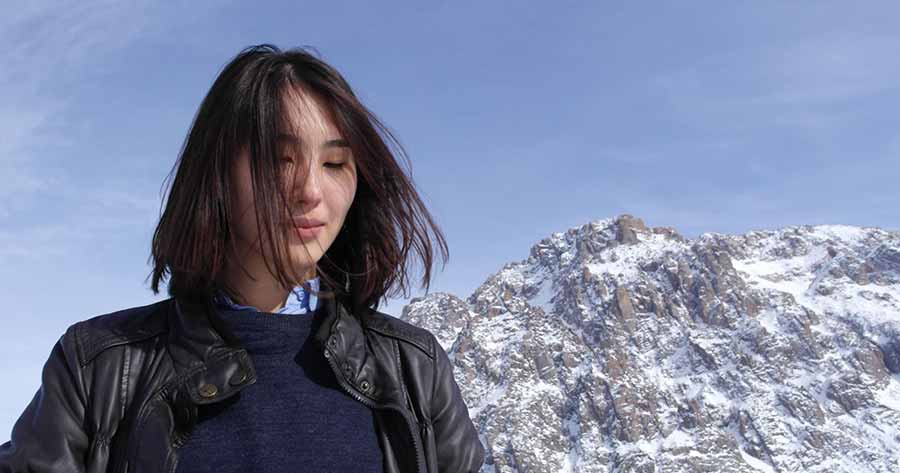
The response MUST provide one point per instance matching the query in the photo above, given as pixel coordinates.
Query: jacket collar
(211, 365)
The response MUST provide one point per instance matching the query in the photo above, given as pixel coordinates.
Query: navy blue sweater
(295, 418)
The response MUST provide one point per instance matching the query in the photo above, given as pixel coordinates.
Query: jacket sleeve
(458, 448)
(49, 436)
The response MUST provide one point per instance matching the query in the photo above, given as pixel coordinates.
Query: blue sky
(520, 121)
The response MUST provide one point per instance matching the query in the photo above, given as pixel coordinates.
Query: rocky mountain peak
(615, 346)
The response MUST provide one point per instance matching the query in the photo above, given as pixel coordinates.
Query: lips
(304, 222)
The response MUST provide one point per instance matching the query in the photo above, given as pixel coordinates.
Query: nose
(306, 188)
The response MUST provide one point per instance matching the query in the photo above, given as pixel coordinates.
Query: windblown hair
(242, 111)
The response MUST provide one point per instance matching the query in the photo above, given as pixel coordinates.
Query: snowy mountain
(615, 347)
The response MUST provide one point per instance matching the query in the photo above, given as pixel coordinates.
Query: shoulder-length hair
(242, 110)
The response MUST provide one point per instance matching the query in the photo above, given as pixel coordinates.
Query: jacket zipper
(346, 386)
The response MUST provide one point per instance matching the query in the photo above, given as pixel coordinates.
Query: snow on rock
(617, 347)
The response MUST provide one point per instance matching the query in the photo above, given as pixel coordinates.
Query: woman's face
(311, 147)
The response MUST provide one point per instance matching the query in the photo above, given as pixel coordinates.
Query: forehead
(306, 114)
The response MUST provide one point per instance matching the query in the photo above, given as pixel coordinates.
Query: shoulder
(97, 333)
(386, 325)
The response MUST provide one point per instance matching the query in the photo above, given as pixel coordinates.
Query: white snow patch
(890, 396)
(755, 462)
(492, 398)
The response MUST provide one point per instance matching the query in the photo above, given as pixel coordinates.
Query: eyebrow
(336, 143)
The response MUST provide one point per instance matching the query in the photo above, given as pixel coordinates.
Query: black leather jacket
(119, 391)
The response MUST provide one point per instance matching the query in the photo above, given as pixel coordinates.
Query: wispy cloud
(102, 212)
(826, 69)
(46, 46)
(795, 84)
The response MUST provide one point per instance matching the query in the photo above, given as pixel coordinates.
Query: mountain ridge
(614, 346)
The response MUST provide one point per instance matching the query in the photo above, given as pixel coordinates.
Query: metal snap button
(332, 341)
(327, 354)
(208, 390)
(364, 385)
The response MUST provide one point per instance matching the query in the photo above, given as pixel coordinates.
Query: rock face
(616, 347)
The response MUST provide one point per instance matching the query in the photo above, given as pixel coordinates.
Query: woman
(288, 220)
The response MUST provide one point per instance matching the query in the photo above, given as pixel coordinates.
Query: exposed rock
(627, 228)
(615, 347)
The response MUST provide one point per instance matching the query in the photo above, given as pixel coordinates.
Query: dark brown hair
(242, 110)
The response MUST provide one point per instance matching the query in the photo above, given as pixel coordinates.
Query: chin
(300, 257)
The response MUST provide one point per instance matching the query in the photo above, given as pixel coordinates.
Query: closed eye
(290, 162)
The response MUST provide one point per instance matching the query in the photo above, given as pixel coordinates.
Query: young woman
(288, 220)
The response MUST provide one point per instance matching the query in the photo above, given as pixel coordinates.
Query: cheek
(343, 199)
(350, 191)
